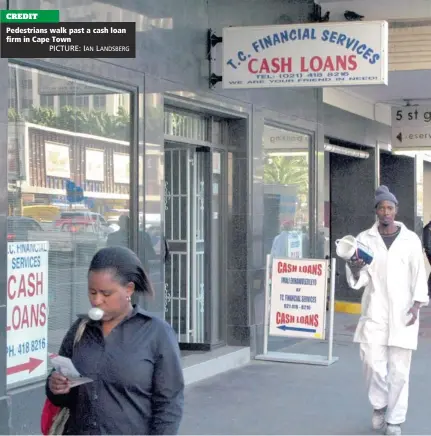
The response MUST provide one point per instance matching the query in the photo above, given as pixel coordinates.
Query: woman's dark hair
(124, 265)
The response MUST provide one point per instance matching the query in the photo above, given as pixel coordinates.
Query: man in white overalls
(395, 290)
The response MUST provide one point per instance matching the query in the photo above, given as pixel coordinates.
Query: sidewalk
(279, 398)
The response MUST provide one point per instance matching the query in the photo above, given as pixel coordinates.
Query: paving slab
(282, 398)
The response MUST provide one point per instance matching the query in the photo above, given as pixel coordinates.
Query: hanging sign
(302, 55)
(298, 298)
(411, 128)
(27, 310)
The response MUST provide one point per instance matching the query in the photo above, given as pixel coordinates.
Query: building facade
(215, 174)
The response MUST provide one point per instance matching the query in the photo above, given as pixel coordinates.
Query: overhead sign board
(411, 127)
(306, 55)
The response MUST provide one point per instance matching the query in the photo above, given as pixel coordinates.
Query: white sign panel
(94, 165)
(294, 245)
(298, 298)
(122, 168)
(287, 244)
(316, 55)
(411, 127)
(27, 310)
(57, 160)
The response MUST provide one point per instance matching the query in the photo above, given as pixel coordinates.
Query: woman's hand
(58, 384)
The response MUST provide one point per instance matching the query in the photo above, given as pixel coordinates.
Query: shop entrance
(352, 183)
(192, 230)
(399, 174)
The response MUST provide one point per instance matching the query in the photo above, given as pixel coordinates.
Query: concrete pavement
(280, 398)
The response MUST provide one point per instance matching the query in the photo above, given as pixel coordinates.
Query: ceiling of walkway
(402, 85)
(412, 85)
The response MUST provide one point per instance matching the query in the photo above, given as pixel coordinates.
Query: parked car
(87, 236)
(85, 215)
(19, 226)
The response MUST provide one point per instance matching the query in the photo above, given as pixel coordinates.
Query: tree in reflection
(289, 171)
(91, 122)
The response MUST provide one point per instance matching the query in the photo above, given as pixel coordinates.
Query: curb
(348, 307)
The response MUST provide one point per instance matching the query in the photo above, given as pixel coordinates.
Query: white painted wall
(378, 10)
(353, 102)
(408, 45)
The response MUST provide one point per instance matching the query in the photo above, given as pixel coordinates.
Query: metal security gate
(185, 232)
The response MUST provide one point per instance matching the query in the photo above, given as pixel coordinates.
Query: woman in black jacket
(132, 357)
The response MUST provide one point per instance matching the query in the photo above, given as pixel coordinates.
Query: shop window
(27, 84)
(286, 193)
(78, 101)
(47, 101)
(187, 125)
(26, 103)
(99, 102)
(68, 184)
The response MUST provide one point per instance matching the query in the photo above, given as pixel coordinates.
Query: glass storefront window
(286, 193)
(68, 185)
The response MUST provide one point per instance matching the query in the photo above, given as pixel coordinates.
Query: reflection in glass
(286, 193)
(286, 202)
(68, 179)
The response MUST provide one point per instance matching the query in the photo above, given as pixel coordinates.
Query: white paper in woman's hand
(64, 366)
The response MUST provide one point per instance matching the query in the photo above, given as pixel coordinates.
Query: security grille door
(185, 201)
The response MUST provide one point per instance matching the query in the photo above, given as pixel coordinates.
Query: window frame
(119, 87)
(312, 174)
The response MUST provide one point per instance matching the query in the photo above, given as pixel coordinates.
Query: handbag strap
(79, 332)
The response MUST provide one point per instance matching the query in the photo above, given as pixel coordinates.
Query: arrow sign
(296, 329)
(400, 137)
(29, 366)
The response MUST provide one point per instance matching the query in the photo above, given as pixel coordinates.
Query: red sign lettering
(284, 318)
(284, 268)
(28, 316)
(306, 320)
(309, 320)
(25, 285)
(267, 66)
(318, 64)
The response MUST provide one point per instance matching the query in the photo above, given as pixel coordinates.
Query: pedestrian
(121, 238)
(426, 241)
(132, 357)
(395, 290)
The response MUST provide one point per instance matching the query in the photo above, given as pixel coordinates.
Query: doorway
(194, 234)
(351, 191)
(399, 174)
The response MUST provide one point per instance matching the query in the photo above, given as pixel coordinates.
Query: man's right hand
(58, 384)
(356, 266)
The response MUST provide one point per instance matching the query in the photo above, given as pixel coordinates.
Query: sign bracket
(212, 41)
(308, 359)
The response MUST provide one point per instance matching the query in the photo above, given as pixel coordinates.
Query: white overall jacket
(393, 282)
